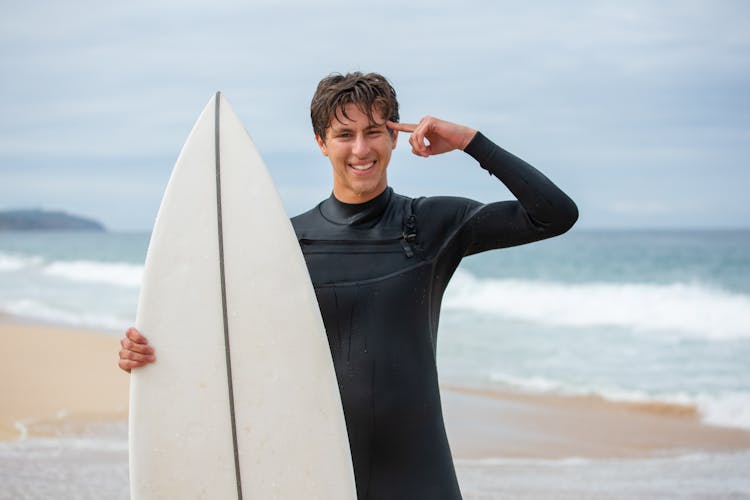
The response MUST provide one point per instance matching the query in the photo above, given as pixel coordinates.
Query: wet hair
(366, 91)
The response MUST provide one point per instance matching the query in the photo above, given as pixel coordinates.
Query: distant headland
(46, 220)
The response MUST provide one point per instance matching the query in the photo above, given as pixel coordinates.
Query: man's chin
(366, 193)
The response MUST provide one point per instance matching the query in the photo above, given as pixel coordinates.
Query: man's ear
(394, 136)
(321, 145)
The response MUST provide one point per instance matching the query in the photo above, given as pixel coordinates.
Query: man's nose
(360, 147)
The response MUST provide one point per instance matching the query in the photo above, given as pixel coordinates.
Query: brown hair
(335, 91)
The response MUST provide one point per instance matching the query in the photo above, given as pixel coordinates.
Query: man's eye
(375, 132)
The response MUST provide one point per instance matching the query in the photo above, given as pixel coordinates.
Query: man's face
(359, 152)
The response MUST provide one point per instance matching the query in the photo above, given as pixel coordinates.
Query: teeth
(363, 167)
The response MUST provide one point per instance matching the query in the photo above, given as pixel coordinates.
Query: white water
(689, 309)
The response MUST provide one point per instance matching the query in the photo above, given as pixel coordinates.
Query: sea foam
(13, 262)
(687, 309)
(111, 273)
(122, 274)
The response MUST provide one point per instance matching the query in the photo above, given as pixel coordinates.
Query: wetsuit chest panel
(342, 264)
(369, 249)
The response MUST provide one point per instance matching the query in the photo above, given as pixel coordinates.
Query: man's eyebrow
(346, 128)
(341, 128)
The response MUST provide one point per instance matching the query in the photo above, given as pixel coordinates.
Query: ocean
(627, 315)
(644, 316)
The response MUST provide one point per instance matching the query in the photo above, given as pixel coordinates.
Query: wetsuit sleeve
(541, 211)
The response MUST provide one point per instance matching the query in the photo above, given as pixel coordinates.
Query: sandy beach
(54, 376)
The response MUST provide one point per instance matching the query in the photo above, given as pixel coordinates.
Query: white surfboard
(242, 400)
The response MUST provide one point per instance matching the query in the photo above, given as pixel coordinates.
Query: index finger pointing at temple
(401, 127)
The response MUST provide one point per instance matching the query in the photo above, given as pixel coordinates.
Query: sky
(639, 110)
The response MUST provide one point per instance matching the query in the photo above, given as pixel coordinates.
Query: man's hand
(432, 136)
(135, 351)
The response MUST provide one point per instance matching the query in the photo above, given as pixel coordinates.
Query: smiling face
(359, 152)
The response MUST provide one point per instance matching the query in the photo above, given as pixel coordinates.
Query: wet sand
(485, 424)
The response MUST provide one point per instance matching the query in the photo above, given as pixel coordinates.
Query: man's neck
(341, 212)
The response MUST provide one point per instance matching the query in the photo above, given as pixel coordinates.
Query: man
(380, 263)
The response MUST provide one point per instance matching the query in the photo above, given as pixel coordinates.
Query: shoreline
(61, 379)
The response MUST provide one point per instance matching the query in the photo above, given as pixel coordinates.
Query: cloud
(585, 90)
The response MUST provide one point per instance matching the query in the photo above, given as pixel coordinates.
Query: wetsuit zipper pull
(409, 235)
(407, 247)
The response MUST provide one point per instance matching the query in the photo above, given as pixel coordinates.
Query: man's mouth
(361, 167)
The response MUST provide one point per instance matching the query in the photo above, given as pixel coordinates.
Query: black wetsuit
(379, 270)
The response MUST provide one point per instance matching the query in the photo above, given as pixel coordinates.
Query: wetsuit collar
(339, 212)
